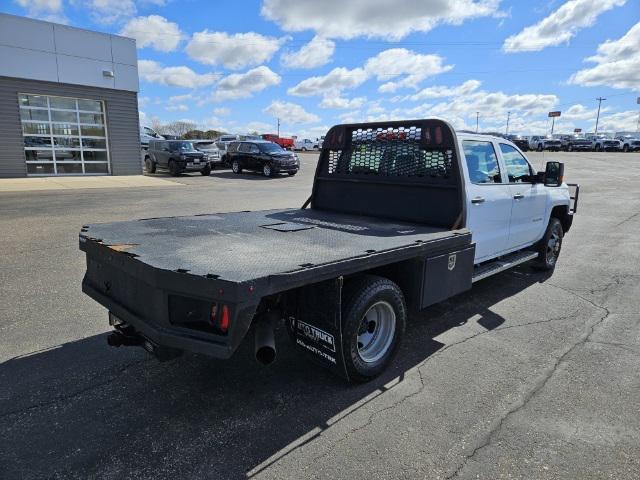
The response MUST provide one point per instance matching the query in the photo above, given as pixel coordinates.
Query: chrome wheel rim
(376, 331)
(553, 246)
(266, 170)
(234, 166)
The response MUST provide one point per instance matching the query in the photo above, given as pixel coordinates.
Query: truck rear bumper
(158, 335)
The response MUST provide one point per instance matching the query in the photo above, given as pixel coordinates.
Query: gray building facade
(68, 101)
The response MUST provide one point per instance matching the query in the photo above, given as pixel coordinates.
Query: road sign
(554, 114)
(577, 130)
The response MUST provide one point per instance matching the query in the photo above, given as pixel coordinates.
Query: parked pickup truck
(540, 143)
(630, 143)
(305, 145)
(402, 215)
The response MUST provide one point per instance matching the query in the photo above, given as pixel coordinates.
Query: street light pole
(477, 120)
(600, 99)
(508, 116)
(278, 127)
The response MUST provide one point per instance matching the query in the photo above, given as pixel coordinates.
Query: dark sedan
(262, 156)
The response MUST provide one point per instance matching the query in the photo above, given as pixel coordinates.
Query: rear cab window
(482, 162)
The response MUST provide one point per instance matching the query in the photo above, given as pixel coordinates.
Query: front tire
(549, 246)
(539, 147)
(173, 168)
(374, 317)
(625, 149)
(206, 171)
(267, 171)
(149, 165)
(235, 167)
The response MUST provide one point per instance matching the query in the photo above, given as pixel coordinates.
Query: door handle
(477, 200)
(518, 196)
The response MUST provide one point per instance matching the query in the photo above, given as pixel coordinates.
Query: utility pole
(508, 116)
(600, 99)
(477, 120)
(278, 127)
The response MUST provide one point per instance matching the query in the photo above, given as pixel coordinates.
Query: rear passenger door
(529, 199)
(488, 199)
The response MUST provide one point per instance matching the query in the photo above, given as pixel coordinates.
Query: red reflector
(224, 319)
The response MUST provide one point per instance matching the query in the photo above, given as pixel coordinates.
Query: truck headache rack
(406, 170)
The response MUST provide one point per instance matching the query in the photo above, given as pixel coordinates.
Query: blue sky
(238, 65)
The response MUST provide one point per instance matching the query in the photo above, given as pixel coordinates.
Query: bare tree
(157, 125)
(179, 128)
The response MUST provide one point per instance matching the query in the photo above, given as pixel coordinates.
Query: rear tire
(549, 246)
(374, 317)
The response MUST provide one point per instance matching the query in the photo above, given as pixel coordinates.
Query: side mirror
(554, 174)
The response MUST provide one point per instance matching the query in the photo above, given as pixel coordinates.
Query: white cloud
(442, 91)
(336, 101)
(395, 62)
(314, 54)
(617, 63)
(221, 111)
(560, 26)
(244, 85)
(389, 64)
(235, 51)
(153, 31)
(290, 113)
(153, 72)
(338, 79)
(617, 122)
(110, 11)
(50, 10)
(373, 18)
(180, 107)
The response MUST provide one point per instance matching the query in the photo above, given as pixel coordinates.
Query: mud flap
(316, 326)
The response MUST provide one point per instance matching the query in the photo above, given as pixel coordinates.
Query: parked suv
(177, 156)
(211, 150)
(541, 143)
(266, 157)
(630, 143)
(575, 142)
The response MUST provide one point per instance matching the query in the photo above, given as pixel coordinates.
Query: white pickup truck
(402, 215)
(304, 144)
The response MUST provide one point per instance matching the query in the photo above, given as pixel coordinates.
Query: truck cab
(507, 206)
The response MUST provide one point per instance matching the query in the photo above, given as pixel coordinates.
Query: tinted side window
(233, 147)
(243, 148)
(253, 148)
(518, 169)
(482, 161)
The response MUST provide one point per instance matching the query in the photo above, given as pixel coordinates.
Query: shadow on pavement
(87, 410)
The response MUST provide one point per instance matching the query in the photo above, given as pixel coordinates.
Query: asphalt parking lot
(525, 376)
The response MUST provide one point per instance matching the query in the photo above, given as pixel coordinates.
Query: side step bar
(503, 263)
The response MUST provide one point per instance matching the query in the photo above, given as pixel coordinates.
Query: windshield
(182, 146)
(206, 146)
(271, 148)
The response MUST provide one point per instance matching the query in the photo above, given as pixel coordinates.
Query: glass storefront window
(54, 131)
(65, 129)
(63, 102)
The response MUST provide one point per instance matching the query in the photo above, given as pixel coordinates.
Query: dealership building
(68, 101)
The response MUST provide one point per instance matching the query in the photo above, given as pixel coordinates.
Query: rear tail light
(224, 319)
